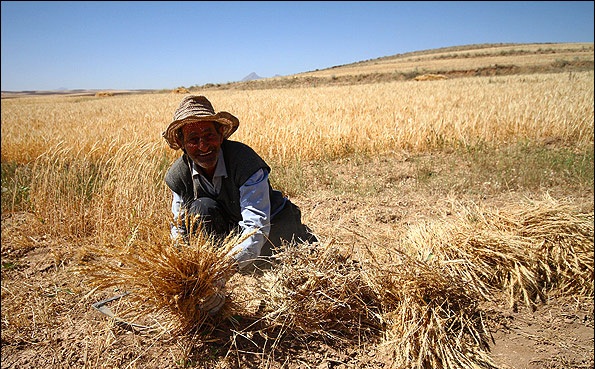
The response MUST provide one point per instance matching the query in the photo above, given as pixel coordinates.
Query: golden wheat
(95, 170)
(528, 251)
(323, 122)
(466, 59)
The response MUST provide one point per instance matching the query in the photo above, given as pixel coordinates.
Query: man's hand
(213, 303)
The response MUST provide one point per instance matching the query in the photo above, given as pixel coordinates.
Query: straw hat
(198, 109)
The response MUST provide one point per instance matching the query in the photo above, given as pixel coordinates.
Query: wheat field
(322, 122)
(112, 147)
(88, 172)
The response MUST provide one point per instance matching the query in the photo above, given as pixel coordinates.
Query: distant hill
(251, 77)
(447, 62)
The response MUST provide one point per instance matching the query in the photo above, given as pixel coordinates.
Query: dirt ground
(558, 334)
(48, 321)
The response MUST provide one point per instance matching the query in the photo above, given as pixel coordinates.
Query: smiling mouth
(206, 153)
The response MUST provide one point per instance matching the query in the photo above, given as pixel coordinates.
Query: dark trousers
(287, 226)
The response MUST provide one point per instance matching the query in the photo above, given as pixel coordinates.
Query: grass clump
(16, 186)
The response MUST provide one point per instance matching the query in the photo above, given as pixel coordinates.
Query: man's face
(202, 142)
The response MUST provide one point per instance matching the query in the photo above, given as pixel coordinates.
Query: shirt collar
(220, 169)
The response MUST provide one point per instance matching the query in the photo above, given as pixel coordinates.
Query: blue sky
(155, 45)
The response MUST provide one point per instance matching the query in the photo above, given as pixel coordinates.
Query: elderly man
(227, 184)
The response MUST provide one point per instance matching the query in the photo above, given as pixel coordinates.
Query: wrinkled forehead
(202, 126)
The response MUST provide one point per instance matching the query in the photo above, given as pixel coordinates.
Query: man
(227, 184)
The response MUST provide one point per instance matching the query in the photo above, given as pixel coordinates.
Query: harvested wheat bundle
(430, 77)
(525, 251)
(432, 319)
(488, 261)
(165, 279)
(317, 290)
(427, 317)
(563, 242)
(180, 90)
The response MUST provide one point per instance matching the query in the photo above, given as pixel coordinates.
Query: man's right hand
(212, 304)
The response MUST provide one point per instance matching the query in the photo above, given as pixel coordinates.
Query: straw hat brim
(229, 122)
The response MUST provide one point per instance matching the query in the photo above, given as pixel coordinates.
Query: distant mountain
(252, 76)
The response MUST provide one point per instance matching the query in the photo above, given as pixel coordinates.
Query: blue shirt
(255, 206)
